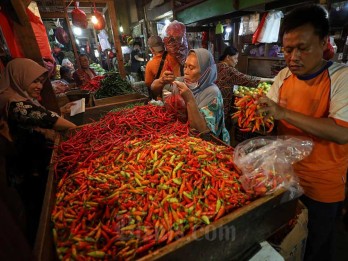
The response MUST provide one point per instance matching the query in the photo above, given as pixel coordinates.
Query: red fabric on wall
(40, 35)
(11, 40)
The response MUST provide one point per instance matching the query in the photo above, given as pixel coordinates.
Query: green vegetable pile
(113, 85)
(97, 68)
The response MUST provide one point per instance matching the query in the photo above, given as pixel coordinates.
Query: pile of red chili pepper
(264, 182)
(94, 84)
(139, 195)
(93, 140)
(248, 120)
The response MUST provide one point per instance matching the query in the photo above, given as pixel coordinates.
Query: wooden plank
(114, 26)
(230, 237)
(52, 15)
(120, 98)
(94, 114)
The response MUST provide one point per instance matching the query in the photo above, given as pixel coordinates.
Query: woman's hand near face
(184, 91)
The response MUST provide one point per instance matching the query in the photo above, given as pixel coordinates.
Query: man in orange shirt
(309, 98)
(161, 62)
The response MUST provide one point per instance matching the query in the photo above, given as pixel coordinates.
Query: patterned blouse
(25, 116)
(214, 118)
(229, 76)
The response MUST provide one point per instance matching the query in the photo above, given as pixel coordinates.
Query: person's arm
(195, 118)
(266, 79)
(158, 84)
(63, 124)
(234, 77)
(138, 58)
(135, 54)
(324, 128)
(31, 115)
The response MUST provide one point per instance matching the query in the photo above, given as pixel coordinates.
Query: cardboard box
(293, 246)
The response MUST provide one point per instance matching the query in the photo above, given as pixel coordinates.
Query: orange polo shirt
(153, 65)
(324, 94)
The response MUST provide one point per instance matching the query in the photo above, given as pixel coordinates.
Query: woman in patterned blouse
(24, 125)
(20, 89)
(228, 76)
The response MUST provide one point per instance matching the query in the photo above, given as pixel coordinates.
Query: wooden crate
(226, 239)
(232, 237)
(120, 98)
(93, 114)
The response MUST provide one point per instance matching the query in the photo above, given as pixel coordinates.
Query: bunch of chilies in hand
(249, 120)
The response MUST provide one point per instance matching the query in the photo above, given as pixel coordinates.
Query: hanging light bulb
(228, 29)
(94, 19)
(121, 29)
(77, 30)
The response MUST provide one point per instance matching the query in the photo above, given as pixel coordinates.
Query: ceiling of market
(51, 10)
(56, 7)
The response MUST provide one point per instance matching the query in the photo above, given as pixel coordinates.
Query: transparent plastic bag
(175, 104)
(266, 163)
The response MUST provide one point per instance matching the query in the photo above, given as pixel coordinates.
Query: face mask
(191, 85)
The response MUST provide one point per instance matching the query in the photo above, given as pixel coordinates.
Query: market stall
(149, 194)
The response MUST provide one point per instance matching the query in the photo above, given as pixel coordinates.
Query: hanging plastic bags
(79, 17)
(269, 32)
(259, 28)
(61, 36)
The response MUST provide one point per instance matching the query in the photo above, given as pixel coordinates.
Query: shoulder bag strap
(164, 55)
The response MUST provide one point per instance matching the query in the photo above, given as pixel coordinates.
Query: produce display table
(231, 237)
(228, 238)
(103, 106)
(120, 98)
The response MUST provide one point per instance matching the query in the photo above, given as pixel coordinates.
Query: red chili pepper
(145, 211)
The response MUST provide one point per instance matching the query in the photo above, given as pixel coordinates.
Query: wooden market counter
(229, 238)
(120, 98)
(103, 106)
